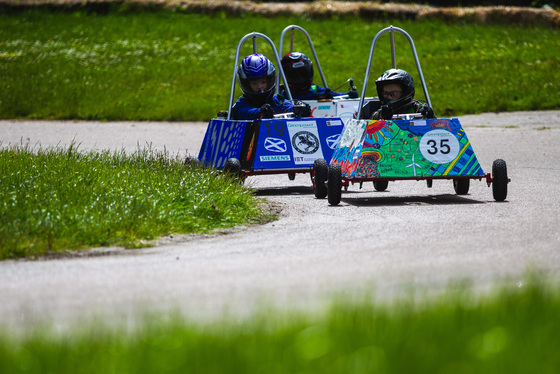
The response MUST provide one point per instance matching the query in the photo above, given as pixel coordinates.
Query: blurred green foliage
(513, 330)
(166, 65)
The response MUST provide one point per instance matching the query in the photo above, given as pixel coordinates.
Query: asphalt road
(382, 243)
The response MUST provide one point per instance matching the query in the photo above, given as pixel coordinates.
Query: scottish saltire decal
(332, 141)
(275, 145)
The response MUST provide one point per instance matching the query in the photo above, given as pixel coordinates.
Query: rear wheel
(320, 175)
(380, 185)
(500, 180)
(461, 186)
(334, 186)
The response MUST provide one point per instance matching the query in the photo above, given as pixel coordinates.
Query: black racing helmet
(299, 71)
(403, 79)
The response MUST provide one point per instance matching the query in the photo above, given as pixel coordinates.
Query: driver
(395, 88)
(257, 80)
(299, 73)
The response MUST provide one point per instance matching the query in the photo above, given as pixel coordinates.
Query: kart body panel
(275, 145)
(406, 149)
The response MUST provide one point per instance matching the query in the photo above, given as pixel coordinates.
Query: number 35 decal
(439, 146)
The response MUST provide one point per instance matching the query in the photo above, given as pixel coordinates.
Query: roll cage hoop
(392, 30)
(292, 28)
(254, 36)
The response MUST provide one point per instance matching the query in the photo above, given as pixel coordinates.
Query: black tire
(429, 183)
(191, 161)
(500, 180)
(334, 186)
(233, 167)
(291, 176)
(380, 185)
(461, 186)
(320, 176)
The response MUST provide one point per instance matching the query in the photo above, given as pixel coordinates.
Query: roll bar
(392, 30)
(292, 28)
(254, 36)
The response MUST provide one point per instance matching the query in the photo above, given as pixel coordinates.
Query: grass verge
(165, 65)
(512, 331)
(57, 199)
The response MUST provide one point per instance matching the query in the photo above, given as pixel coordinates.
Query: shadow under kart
(407, 147)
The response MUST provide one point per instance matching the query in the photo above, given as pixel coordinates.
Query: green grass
(172, 66)
(165, 65)
(56, 199)
(514, 330)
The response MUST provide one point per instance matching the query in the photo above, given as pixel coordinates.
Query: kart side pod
(269, 146)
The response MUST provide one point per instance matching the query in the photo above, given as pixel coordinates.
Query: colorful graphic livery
(416, 149)
(403, 148)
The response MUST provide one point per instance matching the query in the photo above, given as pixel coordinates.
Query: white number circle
(439, 146)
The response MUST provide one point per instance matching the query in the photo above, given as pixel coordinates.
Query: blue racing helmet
(254, 67)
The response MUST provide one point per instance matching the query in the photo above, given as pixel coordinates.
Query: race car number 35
(439, 146)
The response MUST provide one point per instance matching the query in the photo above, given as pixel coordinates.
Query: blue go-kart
(286, 143)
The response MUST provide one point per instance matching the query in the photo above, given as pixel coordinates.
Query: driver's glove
(353, 94)
(306, 112)
(327, 95)
(386, 112)
(301, 109)
(266, 111)
(427, 111)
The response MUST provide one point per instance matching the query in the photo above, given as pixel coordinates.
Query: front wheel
(320, 175)
(191, 161)
(380, 185)
(233, 167)
(500, 180)
(461, 186)
(334, 186)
